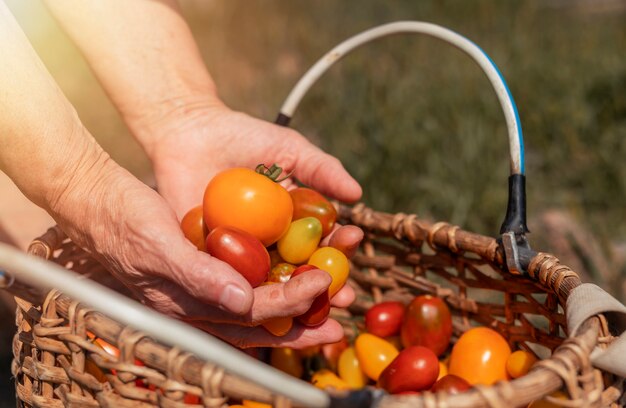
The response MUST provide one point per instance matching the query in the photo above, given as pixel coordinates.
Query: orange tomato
(350, 370)
(280, 325)
(194, 229)
(374, 354)
(252, 202)
(544, 403)
(519, 363)
(443, 370)
(309, 351)
(255, 404)
(479, 356)
(112, 350)
(335, 263)
(327, 379)
(287, 360)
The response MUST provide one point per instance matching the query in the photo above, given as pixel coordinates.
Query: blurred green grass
(412, 118)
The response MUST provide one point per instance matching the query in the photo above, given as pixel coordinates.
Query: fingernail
(233, 299)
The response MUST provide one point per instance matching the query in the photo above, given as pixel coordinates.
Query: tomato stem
(272, 172)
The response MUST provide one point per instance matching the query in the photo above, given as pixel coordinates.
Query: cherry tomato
(275, 258)
(287, 360)
(92, 368)
(310, 351)
(310, 203)
(279, 326)
(519, 363)
(443, 370)
(349, 369)
(193, 227)
(374, 354)
(479, 356)
(318, 312)
(335, 263)
(427, 323)
(249, 201)
(451, 384)
(327, 379)
(300, 240)
(191, 399)
(384, 319)
(416, 368)
(255, 404)
(112, 350)
(544, 403)
(242, 251)
(281, 272)
(332, 351)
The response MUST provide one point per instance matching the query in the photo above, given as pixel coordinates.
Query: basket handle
(515, 219)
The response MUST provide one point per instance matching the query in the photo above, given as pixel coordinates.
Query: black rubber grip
(282, 120)
(515, 219)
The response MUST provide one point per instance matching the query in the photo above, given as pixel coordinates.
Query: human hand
(190, 145)
(136, 235)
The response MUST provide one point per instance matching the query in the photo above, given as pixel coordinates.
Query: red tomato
(310, 203)
(318, 312)
(479, 356)
(427, 323)
(384, 319)
(249, 201)
(451, 384)
(416, 368)
(194, 229)
(242, 251)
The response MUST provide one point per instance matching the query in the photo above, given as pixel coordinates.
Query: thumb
(324, 173)
(212, 281)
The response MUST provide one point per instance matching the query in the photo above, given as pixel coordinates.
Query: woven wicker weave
(401, 256)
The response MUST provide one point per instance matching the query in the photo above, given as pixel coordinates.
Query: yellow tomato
(519, 363)
(443, 370)
(479, 356)
(286, 359)
(374, 354)
(327, 379)
(300, 240)
(335, 263)
(544, 403)
(350, 369)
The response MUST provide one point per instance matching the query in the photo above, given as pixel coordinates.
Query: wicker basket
(401, 256)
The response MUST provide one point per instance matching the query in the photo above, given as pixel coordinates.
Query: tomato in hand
(479, 356)
(300, 240)
(335, 263)
(349, 369)
(310, 203)
(242, 251)
(249, 201)
(194, 229)
(451, 384)
(318, 312)
(278, 326)
(384, 319)
(287, 360)
(374, 354)
(427, 323)
(416, 368)
(281, 272)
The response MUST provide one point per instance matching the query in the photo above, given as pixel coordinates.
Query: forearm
(44, 147)
(144, 55)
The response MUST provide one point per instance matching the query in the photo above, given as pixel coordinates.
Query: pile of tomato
(268, 234)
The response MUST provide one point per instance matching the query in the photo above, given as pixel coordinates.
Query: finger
(324, 173)
(299, 337)
(272, 301)
(208, 279)
(344, 297)
(345, 238)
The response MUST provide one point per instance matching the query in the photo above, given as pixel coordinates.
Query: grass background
(413, 119)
